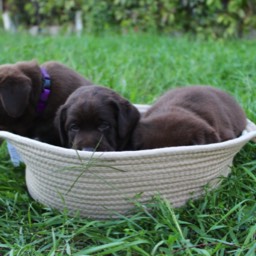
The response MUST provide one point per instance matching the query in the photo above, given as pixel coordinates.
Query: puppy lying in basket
(30, 96)
(96, 118)
(189, 116)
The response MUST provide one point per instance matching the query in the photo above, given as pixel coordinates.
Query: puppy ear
(127, 118)
(206, 135)
(59, 123)
(15, 94)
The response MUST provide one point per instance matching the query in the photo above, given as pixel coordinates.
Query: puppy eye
(103, 126)
(73, 127)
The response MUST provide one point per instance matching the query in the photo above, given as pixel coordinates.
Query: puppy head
(15, 88)
(96, 118)
(172, 129)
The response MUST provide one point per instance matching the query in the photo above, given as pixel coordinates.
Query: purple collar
(45, 91)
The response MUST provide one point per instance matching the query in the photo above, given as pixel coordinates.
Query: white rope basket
(100, 185)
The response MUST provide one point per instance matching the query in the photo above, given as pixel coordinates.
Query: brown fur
(189, 116)
(96, 118)
(20, 89)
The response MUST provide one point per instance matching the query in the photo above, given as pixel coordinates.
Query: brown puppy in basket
(96, 118)
(189, 116)
(31, 94)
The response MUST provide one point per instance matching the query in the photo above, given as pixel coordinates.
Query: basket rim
(248, 134)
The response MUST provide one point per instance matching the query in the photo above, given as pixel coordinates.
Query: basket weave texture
(101, 185)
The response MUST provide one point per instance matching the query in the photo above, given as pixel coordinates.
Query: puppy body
(189, 116)
(21, 85)
(96, 118)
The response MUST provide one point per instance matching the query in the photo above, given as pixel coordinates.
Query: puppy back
(219, 109)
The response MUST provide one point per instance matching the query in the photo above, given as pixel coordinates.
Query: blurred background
(207, 18)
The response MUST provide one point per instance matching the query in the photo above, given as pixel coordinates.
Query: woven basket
(101, 185)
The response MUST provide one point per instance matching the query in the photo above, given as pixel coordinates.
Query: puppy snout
(88, 149)
(91, 143)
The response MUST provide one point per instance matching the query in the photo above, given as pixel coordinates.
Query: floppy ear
(15, 94)
(127, 117)
(59, 123)
(212, 137)
(206, 136)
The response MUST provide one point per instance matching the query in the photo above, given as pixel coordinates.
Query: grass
(140, 67)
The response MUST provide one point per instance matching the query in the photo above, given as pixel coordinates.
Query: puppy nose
(88, 149)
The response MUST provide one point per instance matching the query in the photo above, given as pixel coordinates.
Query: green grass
(140, 67)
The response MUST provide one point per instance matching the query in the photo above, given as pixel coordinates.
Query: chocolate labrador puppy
(96, 118)
(31, 94)
(189, 116)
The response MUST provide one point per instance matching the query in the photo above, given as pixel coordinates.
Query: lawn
(141, 67)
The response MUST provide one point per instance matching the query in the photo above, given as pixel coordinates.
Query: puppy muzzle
(88, 149)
